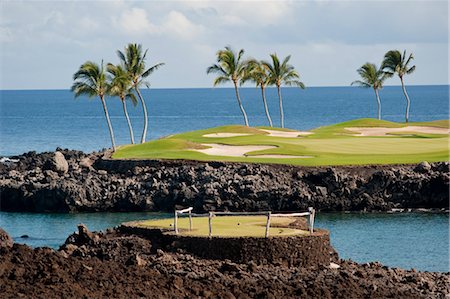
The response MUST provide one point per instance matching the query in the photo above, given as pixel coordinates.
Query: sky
(42, 43)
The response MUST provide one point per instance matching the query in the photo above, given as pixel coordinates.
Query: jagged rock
(136, 260)
(57, 163)
(5, 239)
(109, 185)
(423, 167)
(123, 266)
(86, 162)
(334, 266)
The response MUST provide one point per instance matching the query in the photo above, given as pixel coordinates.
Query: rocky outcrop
(116, 265)
(93, 183)
(291, 251)
(5, 239)
(57, 163)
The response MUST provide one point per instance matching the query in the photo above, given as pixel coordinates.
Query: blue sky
(43, 43)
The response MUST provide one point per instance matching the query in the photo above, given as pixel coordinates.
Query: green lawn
(227, 226)
(329, 145)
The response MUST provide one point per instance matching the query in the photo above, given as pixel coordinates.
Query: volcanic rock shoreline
(112, 264)
(72, 181)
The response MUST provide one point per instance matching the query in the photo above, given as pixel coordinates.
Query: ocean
(41, 120)
(409, 240)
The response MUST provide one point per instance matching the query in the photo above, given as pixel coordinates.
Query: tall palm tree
(121, 87)
(91, 80)
(374, 77)
(258, 74)
(282, 73)
(396, 63)
(133, 60)
(230, 67)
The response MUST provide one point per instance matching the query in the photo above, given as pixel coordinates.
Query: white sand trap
(231, 150)
(280, 156)
(220, 135)
(286, 134)
(380, 131)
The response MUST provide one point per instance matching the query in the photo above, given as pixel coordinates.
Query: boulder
(5, 239)
(423, 167)
(57, 163)
(86, 162)
(321, 190)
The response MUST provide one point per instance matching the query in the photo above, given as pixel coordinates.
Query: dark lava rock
(5, 239)
(131, 270)
(423, 167)
(93, 183)
(57, 163)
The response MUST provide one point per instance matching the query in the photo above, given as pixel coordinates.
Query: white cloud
(177, 23)
(135, 21)
(327, 40)
(6, 35)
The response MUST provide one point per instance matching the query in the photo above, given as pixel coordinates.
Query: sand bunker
(231, 150)
(220, 135)
(241, 150)
(286, 134)
(280, 156)
(380, 131)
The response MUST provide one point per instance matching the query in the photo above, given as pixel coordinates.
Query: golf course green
(228, 226)
(356, 142)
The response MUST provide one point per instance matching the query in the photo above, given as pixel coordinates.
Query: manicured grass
(228, 226)
(329, 145)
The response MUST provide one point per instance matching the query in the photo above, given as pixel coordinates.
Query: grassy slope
(229, 226)
(329, 145)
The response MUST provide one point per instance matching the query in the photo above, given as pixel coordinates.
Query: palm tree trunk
(111, 132)
(265, 105)
(240, 104)
(128, 120)
(408, 102)
(144, 108)
(281, 106)
(378, 102)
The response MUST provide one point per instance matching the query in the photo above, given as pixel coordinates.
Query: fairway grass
(328, 145)
(227, 226)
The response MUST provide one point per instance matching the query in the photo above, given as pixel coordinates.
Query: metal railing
(311, 213)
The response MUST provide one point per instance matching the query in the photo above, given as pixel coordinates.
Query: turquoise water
(42, 120)
(413, 240)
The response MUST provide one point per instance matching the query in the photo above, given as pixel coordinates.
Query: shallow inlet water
(413, 240)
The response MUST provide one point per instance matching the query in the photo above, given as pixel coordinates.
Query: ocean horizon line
(231, 87)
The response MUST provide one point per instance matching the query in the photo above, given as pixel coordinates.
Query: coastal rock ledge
(114, 264)
(90, 182)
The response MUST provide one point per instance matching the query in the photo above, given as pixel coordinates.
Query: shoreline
(73, 181)
(115, 263)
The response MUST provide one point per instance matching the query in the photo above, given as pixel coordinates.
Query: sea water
(410, 240)
(42, 120)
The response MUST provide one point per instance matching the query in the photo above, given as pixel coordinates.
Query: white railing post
(175, 222)
(312, 213)
(268, 224)
(210, 224)
(190, 220)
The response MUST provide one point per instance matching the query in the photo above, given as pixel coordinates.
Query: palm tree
(134, 62)
(121, 87)
(91, 80)
(258, 74)
(230, 67)
(283, 73)
(373, 77)
(396, 63)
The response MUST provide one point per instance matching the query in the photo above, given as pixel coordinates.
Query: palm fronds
(371, 76)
